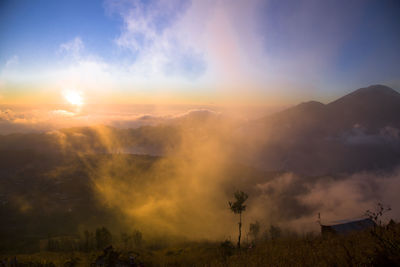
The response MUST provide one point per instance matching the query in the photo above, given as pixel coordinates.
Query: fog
(190, 186)
(196, 159)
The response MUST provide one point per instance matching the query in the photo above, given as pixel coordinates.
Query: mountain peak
(374, 107)
(377, 88)
(311, 104)
(371, 93)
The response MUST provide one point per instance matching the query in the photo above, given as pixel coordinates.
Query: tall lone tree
(237, 207)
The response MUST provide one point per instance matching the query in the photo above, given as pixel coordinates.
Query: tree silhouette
(254, 230)
(103, 238)
(237, 207)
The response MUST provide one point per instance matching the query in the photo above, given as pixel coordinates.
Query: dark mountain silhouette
(373, 107)
(359, 131)
(303, 119)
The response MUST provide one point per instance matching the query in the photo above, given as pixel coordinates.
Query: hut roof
(346, 226)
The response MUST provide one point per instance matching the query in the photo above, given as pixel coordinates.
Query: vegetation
(237, 207)
(254, 230)
(72, 230)
(379, 246)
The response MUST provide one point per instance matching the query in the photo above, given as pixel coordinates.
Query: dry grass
(377, 247)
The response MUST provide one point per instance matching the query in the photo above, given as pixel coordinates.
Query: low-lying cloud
(27, 120)
(194, 161)
(294, 202)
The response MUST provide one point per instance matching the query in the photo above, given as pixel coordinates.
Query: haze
(148, 115)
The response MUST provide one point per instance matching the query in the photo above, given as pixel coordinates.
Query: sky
(251, 52)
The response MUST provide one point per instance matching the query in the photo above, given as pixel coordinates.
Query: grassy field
(376, 247)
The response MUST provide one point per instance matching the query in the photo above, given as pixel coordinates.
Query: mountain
(301, 120)
(359, 131)
(373, 107)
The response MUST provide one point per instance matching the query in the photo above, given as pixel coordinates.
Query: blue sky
(33, 30)
(197, 51)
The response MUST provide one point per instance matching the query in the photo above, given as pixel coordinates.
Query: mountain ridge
(374, 107)
(359, 131)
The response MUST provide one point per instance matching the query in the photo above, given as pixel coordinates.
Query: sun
(73, 97)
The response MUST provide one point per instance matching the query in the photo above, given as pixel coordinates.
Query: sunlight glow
(73, 97)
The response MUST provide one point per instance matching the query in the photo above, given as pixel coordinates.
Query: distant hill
(373, 107)
(359, 131)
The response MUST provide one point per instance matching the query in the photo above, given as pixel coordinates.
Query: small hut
(346, 226)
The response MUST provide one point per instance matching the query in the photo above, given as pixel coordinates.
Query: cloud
(145, 23)
(62, 113)
(176, 49)
(73, 47)
(26, 120)
(352, 196)
(9, 69)
(253, 51)
(293, 201)
(148, 33)
(80, 70)
(190, 39)
(359, 136)
(199, 172)
(206, 40)
(75, 69)
(13, 61)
